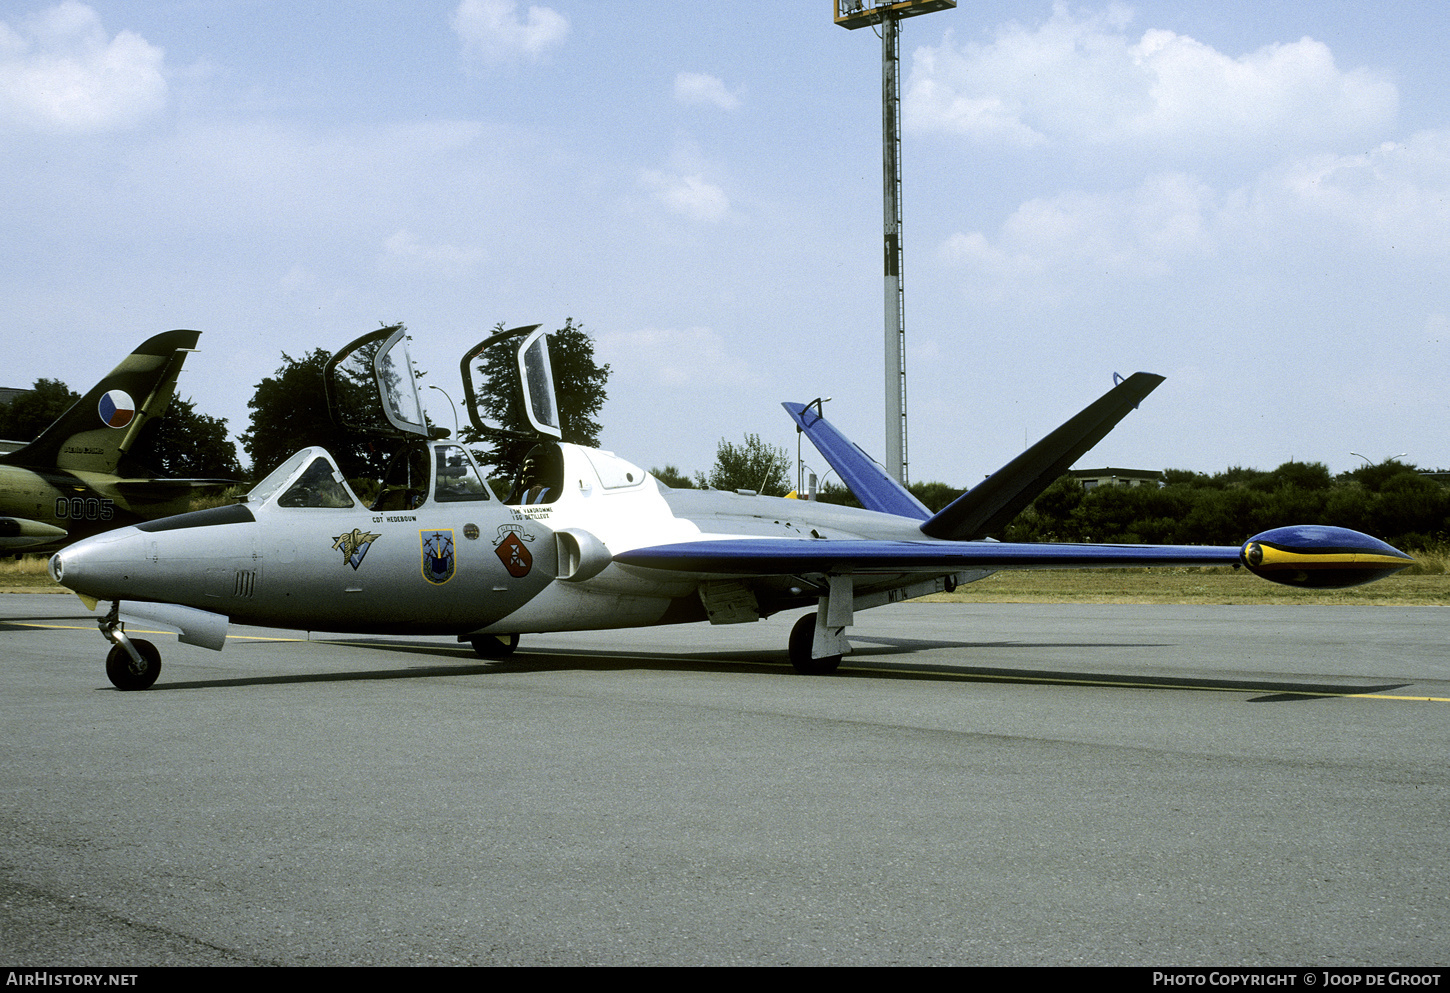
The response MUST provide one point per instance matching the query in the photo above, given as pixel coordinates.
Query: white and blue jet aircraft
(590, 540)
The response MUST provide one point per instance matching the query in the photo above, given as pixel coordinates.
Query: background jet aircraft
(76, 479)
(603, 544)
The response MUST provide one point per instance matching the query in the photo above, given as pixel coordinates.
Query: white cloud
(1396, 196)
(403, 249)
(697, 87)
(690, 196)
(60, 72)
(1086, 81)
(676, 357)
(1390, 203)
(1143, 232)
(494, 33)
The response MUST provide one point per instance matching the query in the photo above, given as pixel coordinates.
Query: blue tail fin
(873, 486)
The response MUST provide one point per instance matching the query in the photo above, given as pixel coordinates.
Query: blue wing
(1300, 555)
(785, 556)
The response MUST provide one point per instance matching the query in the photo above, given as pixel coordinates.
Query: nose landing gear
(131, 664)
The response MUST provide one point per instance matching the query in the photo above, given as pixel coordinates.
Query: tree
(23, 418)
(673, 478)
(289, 412)
(183, 443)
(754, 465)
(934, 496)
(578, 388)
(837, 493)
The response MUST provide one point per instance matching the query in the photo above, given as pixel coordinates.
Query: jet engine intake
(581, 555)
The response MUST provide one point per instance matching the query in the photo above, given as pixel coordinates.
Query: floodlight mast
(852, 14)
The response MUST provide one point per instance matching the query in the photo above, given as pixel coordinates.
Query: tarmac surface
(978, 785)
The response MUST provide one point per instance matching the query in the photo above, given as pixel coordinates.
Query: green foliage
(578, 386)
(31, 413)
(754, 465)
(289, 413)
(1312, 476)
(1392, 501)
(185, 444)
(834, 492)
(935, 496)
(673, 478)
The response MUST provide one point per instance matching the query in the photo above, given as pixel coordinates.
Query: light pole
(451, 405)
(852, 14)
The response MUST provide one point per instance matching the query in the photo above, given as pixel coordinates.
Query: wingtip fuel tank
(1321, 557)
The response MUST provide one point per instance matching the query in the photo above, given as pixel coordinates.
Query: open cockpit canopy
(482, 367)
(371, 388)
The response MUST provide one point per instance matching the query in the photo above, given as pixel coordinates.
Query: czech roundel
(116, 408)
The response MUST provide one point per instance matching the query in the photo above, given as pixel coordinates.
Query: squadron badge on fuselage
(511, 551)
(439, 563)
(354, 545)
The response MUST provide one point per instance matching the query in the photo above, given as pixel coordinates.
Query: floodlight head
(852, 14)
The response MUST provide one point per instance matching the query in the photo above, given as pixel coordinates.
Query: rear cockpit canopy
(553, 471)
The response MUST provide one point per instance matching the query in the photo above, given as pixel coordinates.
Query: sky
(1249, 199)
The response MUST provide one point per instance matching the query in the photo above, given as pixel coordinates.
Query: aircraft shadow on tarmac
(463, 663)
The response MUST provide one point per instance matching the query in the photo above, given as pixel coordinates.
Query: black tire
(495, 646)
(802, 636)
(122, 671)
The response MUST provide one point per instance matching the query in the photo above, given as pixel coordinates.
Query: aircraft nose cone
(99, 566)
(56, 567)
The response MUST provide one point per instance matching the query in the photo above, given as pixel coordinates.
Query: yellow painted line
(1386, 696)
(53, 627)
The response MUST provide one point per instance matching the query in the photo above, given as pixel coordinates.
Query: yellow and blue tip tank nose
(1321, 557)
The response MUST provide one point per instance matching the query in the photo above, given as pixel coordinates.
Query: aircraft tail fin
(873, 485)
(102, 426)
(991, 504)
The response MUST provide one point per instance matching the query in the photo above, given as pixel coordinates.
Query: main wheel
(495, 646)
(121, 668)
(802, 636)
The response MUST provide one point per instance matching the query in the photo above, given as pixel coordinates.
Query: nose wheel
(132, 664)
(128, 674)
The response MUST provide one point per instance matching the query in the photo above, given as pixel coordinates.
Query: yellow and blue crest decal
(439, 561)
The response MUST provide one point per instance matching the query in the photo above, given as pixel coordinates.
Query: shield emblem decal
(439, 562)
(514, 555)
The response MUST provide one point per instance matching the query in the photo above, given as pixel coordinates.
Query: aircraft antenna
(852, 14)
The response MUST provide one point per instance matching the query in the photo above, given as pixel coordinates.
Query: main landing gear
(131, 664)
(802, 637)
(495, 646)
